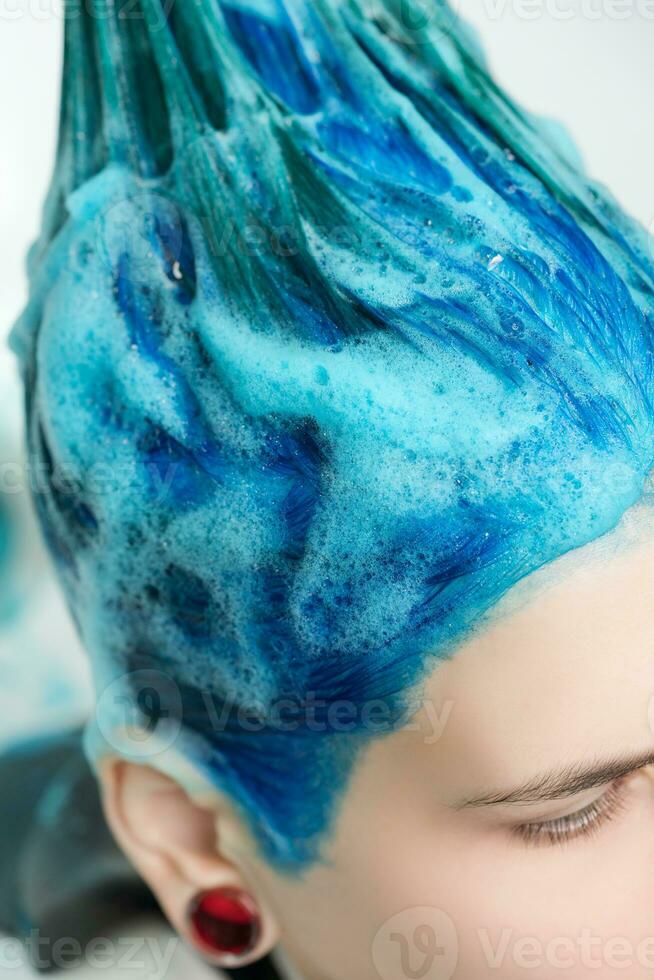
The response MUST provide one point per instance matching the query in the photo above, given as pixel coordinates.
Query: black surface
(61, 874)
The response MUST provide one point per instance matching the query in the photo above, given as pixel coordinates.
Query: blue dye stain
(356, 348)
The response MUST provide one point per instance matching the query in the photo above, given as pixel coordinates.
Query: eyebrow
(563, 782)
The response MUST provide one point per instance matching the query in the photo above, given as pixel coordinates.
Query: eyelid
(542, 811)
(560, 806)
(582, 821)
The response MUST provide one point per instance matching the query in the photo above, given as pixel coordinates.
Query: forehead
(564, 671)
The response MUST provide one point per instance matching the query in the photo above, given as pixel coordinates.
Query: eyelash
(584, 823)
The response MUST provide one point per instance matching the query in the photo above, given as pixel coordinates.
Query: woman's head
(329, 346)
(505, 831)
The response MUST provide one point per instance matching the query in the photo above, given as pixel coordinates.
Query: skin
(559, 679)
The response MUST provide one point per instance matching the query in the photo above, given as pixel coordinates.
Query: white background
(588, 63)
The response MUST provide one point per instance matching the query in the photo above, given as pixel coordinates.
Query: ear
(174, 843)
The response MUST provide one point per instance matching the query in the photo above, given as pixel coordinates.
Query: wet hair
(329, 344)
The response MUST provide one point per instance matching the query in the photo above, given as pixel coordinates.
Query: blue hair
(329, 344)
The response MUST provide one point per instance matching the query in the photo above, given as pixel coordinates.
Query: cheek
(582, 910)
(410, 894)
(386, 886)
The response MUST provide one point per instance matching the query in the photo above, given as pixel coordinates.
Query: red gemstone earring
(225, 924)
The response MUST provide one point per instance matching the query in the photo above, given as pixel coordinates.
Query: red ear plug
(225, 924)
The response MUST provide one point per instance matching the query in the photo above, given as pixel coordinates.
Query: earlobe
(174, 843)
(225, 923)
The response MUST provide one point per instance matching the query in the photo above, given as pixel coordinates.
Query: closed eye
(585, 822)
